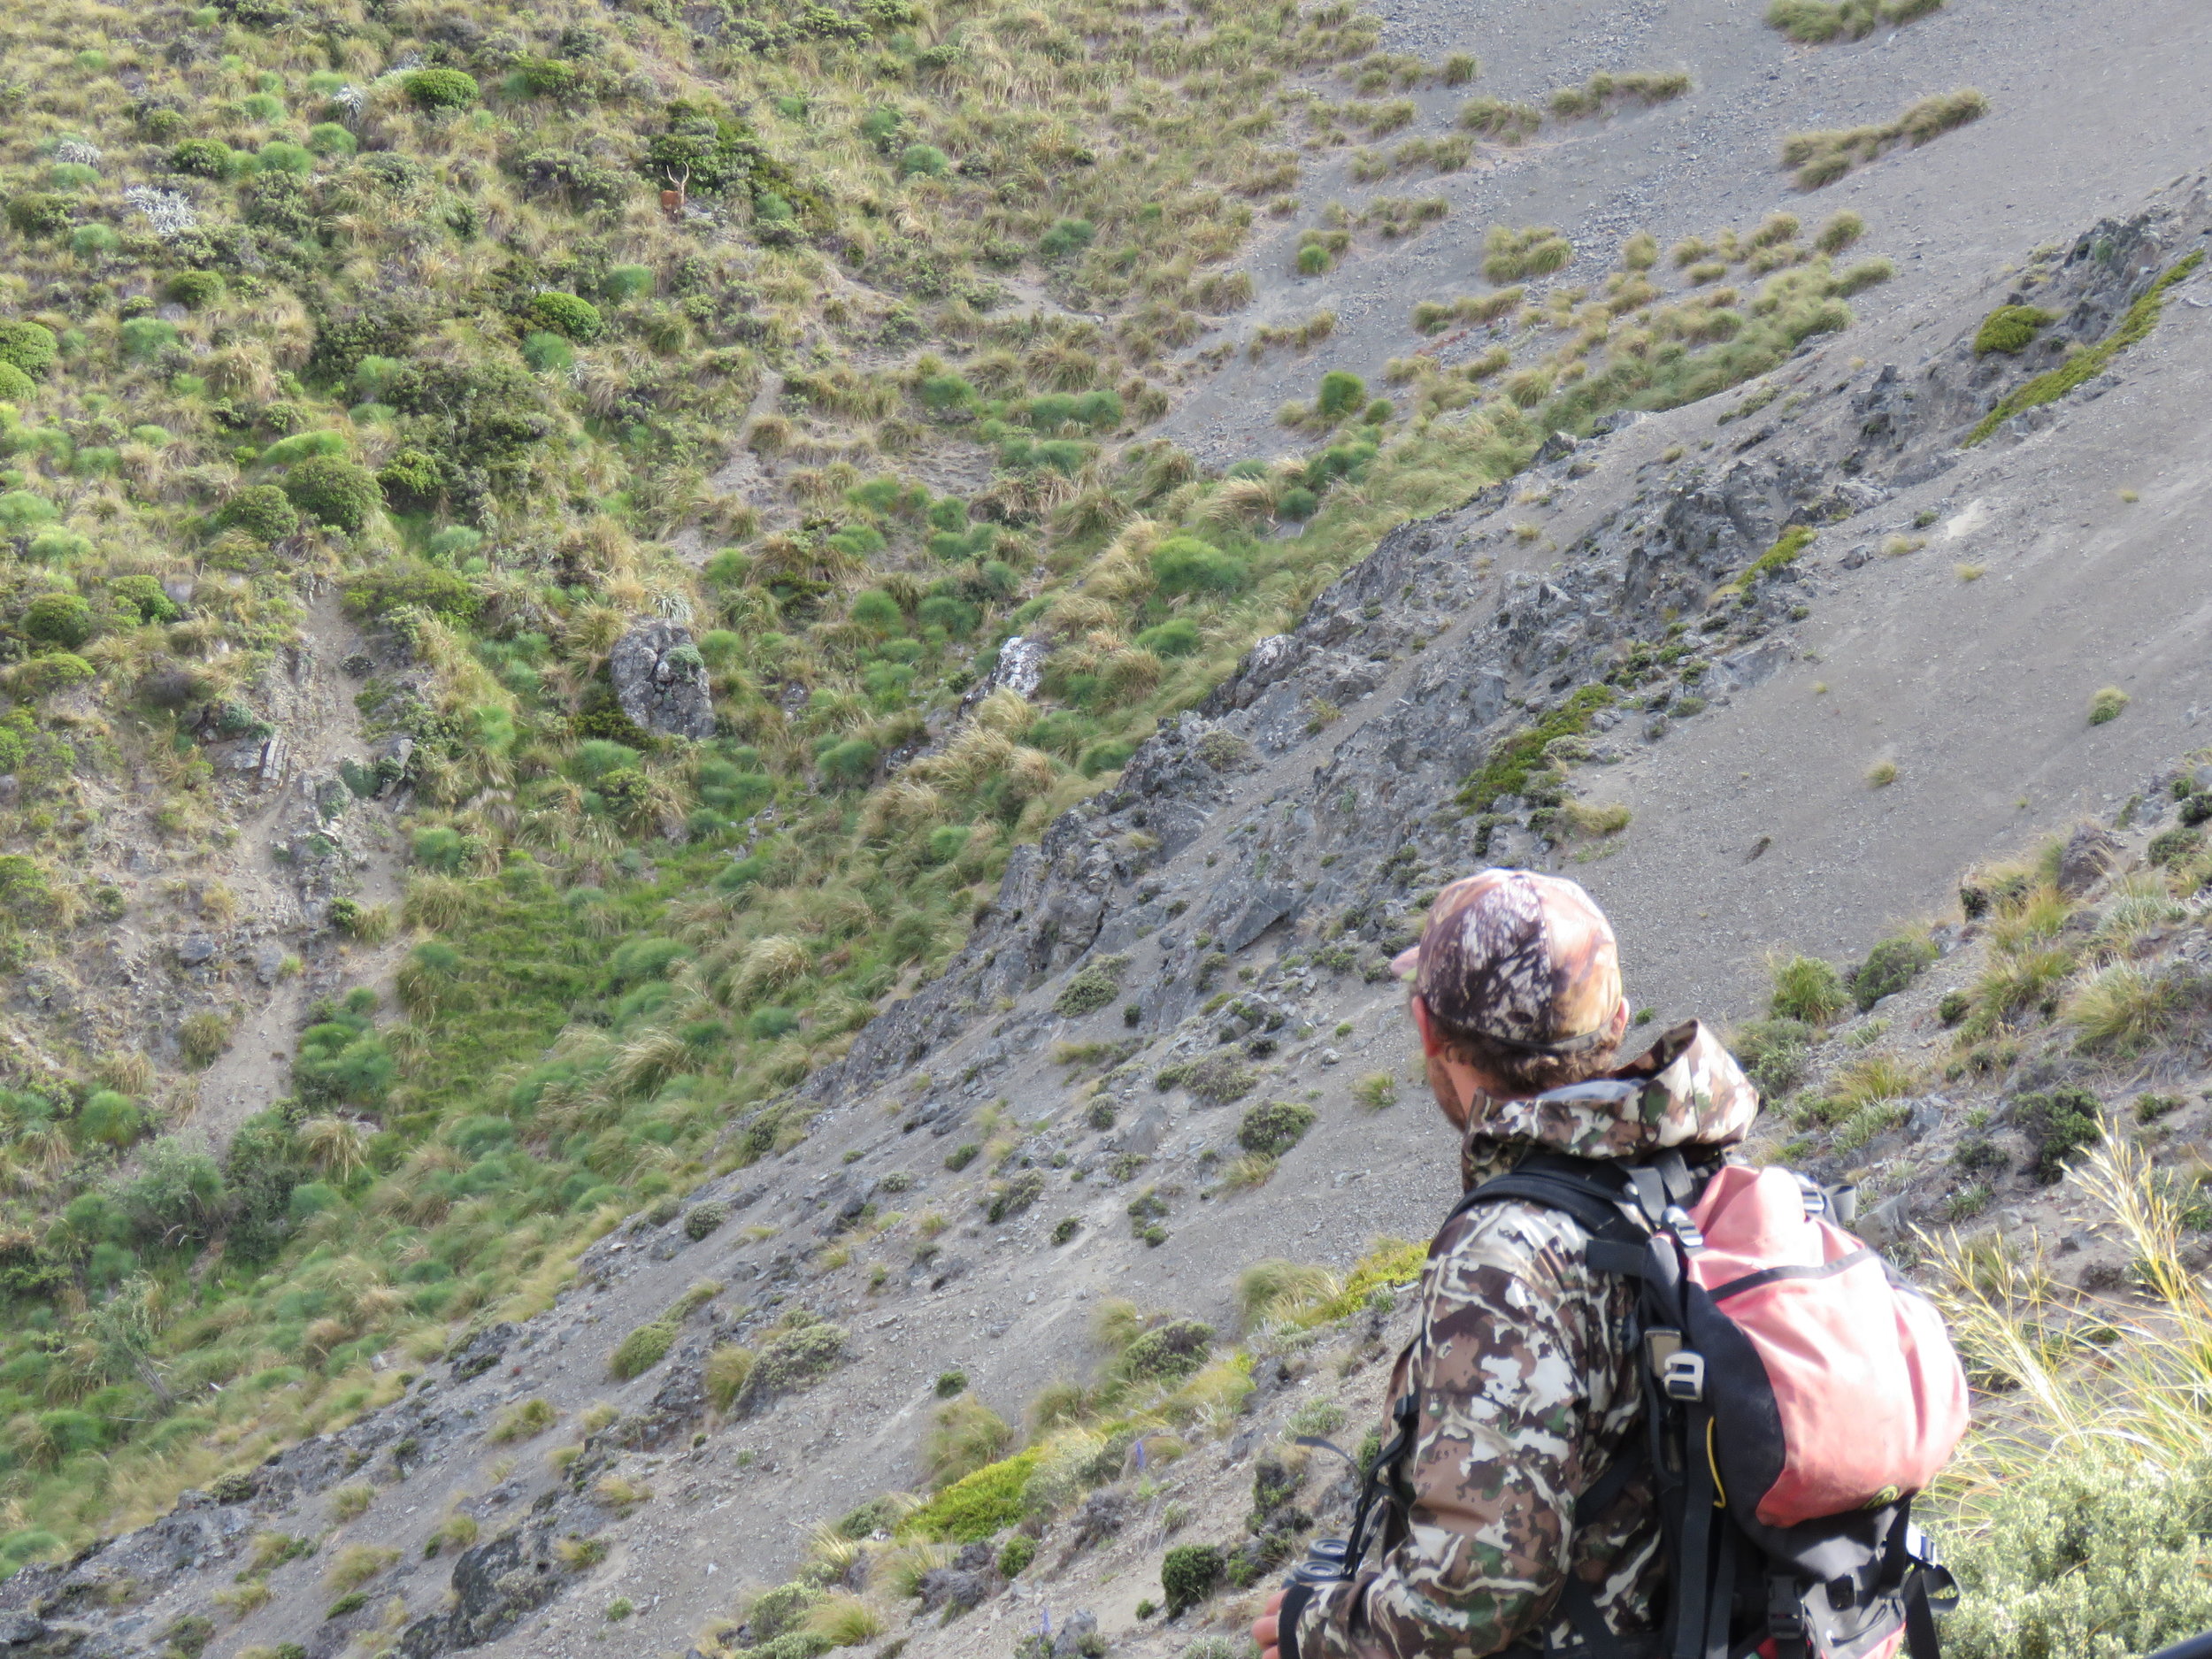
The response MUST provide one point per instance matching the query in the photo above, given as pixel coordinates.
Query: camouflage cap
(1524, 959)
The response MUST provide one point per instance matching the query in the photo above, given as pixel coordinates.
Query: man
(1528, 1395)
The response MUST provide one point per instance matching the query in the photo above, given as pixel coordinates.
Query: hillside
(704, 790)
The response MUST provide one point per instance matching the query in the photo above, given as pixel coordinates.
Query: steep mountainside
(688, 910)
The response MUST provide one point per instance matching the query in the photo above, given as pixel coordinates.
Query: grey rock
(268, 962)
(2089, 853)
(1142, 1137)
(1020, 669)
(1076, 1637)
(494, 1585)
(1885, 1223)
(1926, 1115)
(661, 681)
(195, 951)
(483, 1351)
(950, 1587)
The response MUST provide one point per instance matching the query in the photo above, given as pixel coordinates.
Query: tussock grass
(1816, 22)
(2076, 1509)
(1821, 158)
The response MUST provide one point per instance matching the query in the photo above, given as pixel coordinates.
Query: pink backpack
(1801, 1394)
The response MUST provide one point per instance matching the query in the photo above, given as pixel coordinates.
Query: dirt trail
(326, 729)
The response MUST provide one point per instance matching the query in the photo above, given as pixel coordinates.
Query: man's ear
(1432, 1043)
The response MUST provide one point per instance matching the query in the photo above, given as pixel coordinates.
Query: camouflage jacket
(1527, 1390)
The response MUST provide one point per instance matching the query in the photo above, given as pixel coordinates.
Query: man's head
(1517, 987)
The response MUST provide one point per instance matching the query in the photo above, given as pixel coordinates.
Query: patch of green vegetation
(976, 1505)
(1821, 158)
(2089, 1553)
(2059, 1122)
(1787, 545)
(1807, 988)
(1817, 22)
(2011, 329)
(1272, 1128)
(1094, 987)
(1190, 1574)
(1514, 760)
(2091, 361)
(1775, 1053)
(1891, 966)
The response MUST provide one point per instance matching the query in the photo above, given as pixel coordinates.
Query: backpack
(1797, 1394)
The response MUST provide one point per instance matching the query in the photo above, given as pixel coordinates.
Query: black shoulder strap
(1593, 1190)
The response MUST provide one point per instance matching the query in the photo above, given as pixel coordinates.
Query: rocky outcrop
(661, 681)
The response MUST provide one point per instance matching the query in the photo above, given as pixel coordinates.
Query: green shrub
(145, 339)
(24, 510)
(1066, 238)
(850, 762)
(204, 157)
(2091, 1555)
(47, 672)
(1016, 1554)
(976, 1505)
(2082, 367)
(642, 1349)
(1184, 564)
(803, 1352)
(1010, 1198)
(2058, 1124)
(142, 594)
(328, 138)
(441, 90)
(62, 619)
(1166, 1353)
(1889, 968)
(924, 159)
(37, 214)
(1271, 1129)
(1096, 985)
(281, 156)
(1774, 1052)
(567, 315)
(704, 1219)
(196, 290)
(1188, 1574)
(1807, 988)
(331, 491)
(2011, 329)
(27, 346)
(1341, 394)
(15, 385)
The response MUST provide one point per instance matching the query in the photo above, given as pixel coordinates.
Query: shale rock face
(661, 682)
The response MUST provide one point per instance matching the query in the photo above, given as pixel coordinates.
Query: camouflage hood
(1686, 1090)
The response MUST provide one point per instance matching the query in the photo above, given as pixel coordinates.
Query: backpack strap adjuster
(1682, 1375)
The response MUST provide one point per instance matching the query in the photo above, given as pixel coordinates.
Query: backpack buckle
(1682, 1376)
(1678, 1222)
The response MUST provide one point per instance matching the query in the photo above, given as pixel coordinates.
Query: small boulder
(661, 681)
(2089, 853)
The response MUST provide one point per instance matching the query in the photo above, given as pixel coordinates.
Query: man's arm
(1514, 1346)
